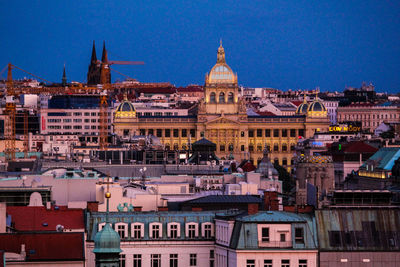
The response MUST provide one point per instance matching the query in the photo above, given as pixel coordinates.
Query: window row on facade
(169, 132)
(147, 114)
(155, 230)
(76, 127)
(75, 114)
(281, 263)
(251, 133)
(222, 98)
(173, 260)
(274, 133)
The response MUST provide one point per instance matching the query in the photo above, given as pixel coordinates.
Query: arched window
(284, 147)
(176, 146)
(137, 230)
(207, 230)
(167, 146)
(276, 147)
(221, 98)
(122, 229)
(212, 98)
(174, 230)
(230, 97)
(155, 230)
(284, 161)
(191, 230)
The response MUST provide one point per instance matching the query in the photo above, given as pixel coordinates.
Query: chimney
(23, 252)
(93, 206)
(137, 208)
(48, 205)
(252, 208)
(271, 201)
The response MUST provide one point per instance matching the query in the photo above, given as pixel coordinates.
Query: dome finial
(107, 196)
(304, 96)
(221, 53)
(220, 42)
(316, 92)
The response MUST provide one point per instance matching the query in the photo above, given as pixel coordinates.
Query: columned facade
(222, 118)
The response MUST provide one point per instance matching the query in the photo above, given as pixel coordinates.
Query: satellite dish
(24, 178)
(59, 228)
(144, 169)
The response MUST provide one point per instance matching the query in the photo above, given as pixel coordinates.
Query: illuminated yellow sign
(345, 128)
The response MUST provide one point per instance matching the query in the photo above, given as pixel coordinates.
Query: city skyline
(302, 45)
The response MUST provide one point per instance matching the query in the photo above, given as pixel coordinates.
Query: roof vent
(270, 212)
(45, 224)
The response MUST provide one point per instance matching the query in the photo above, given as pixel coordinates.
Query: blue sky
(279, 44)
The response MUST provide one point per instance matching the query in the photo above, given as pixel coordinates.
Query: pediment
(222, 120)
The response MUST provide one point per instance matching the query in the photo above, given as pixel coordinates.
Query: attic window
(265, 234)
(299, 235)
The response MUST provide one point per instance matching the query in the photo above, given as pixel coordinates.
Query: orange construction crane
(9, 129)
(103, 142)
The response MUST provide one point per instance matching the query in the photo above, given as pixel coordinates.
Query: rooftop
(46, 246)
(41, 219)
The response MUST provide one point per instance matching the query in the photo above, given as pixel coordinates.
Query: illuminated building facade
(222, 118)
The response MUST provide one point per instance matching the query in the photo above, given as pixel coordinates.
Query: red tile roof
(190, 89)
(33, 218)
(265, 113)
(45, 246)
(358, 147)
(297, 102)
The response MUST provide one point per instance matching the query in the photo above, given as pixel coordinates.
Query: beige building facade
(222, 118)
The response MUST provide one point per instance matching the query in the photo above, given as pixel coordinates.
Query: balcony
(275, 244)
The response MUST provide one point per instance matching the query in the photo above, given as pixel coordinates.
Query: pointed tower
(64, 78)
(93, 75)
(105, 74)
(94, 56)
(107, 242)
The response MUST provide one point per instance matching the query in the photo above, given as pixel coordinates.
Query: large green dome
(107, 241)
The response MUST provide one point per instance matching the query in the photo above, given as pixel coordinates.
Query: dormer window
(137, 230)
(122, 229)
(155, 230)
(191, 230)
(299, 235)
(173, 230)
(207, 230)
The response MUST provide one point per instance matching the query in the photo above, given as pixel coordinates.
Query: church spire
(221, 53)
(94, 57)
(104, 57)
(64, 78)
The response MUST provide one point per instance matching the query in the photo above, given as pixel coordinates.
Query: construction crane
(9, 129)
(103, 143)
(103, 105)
